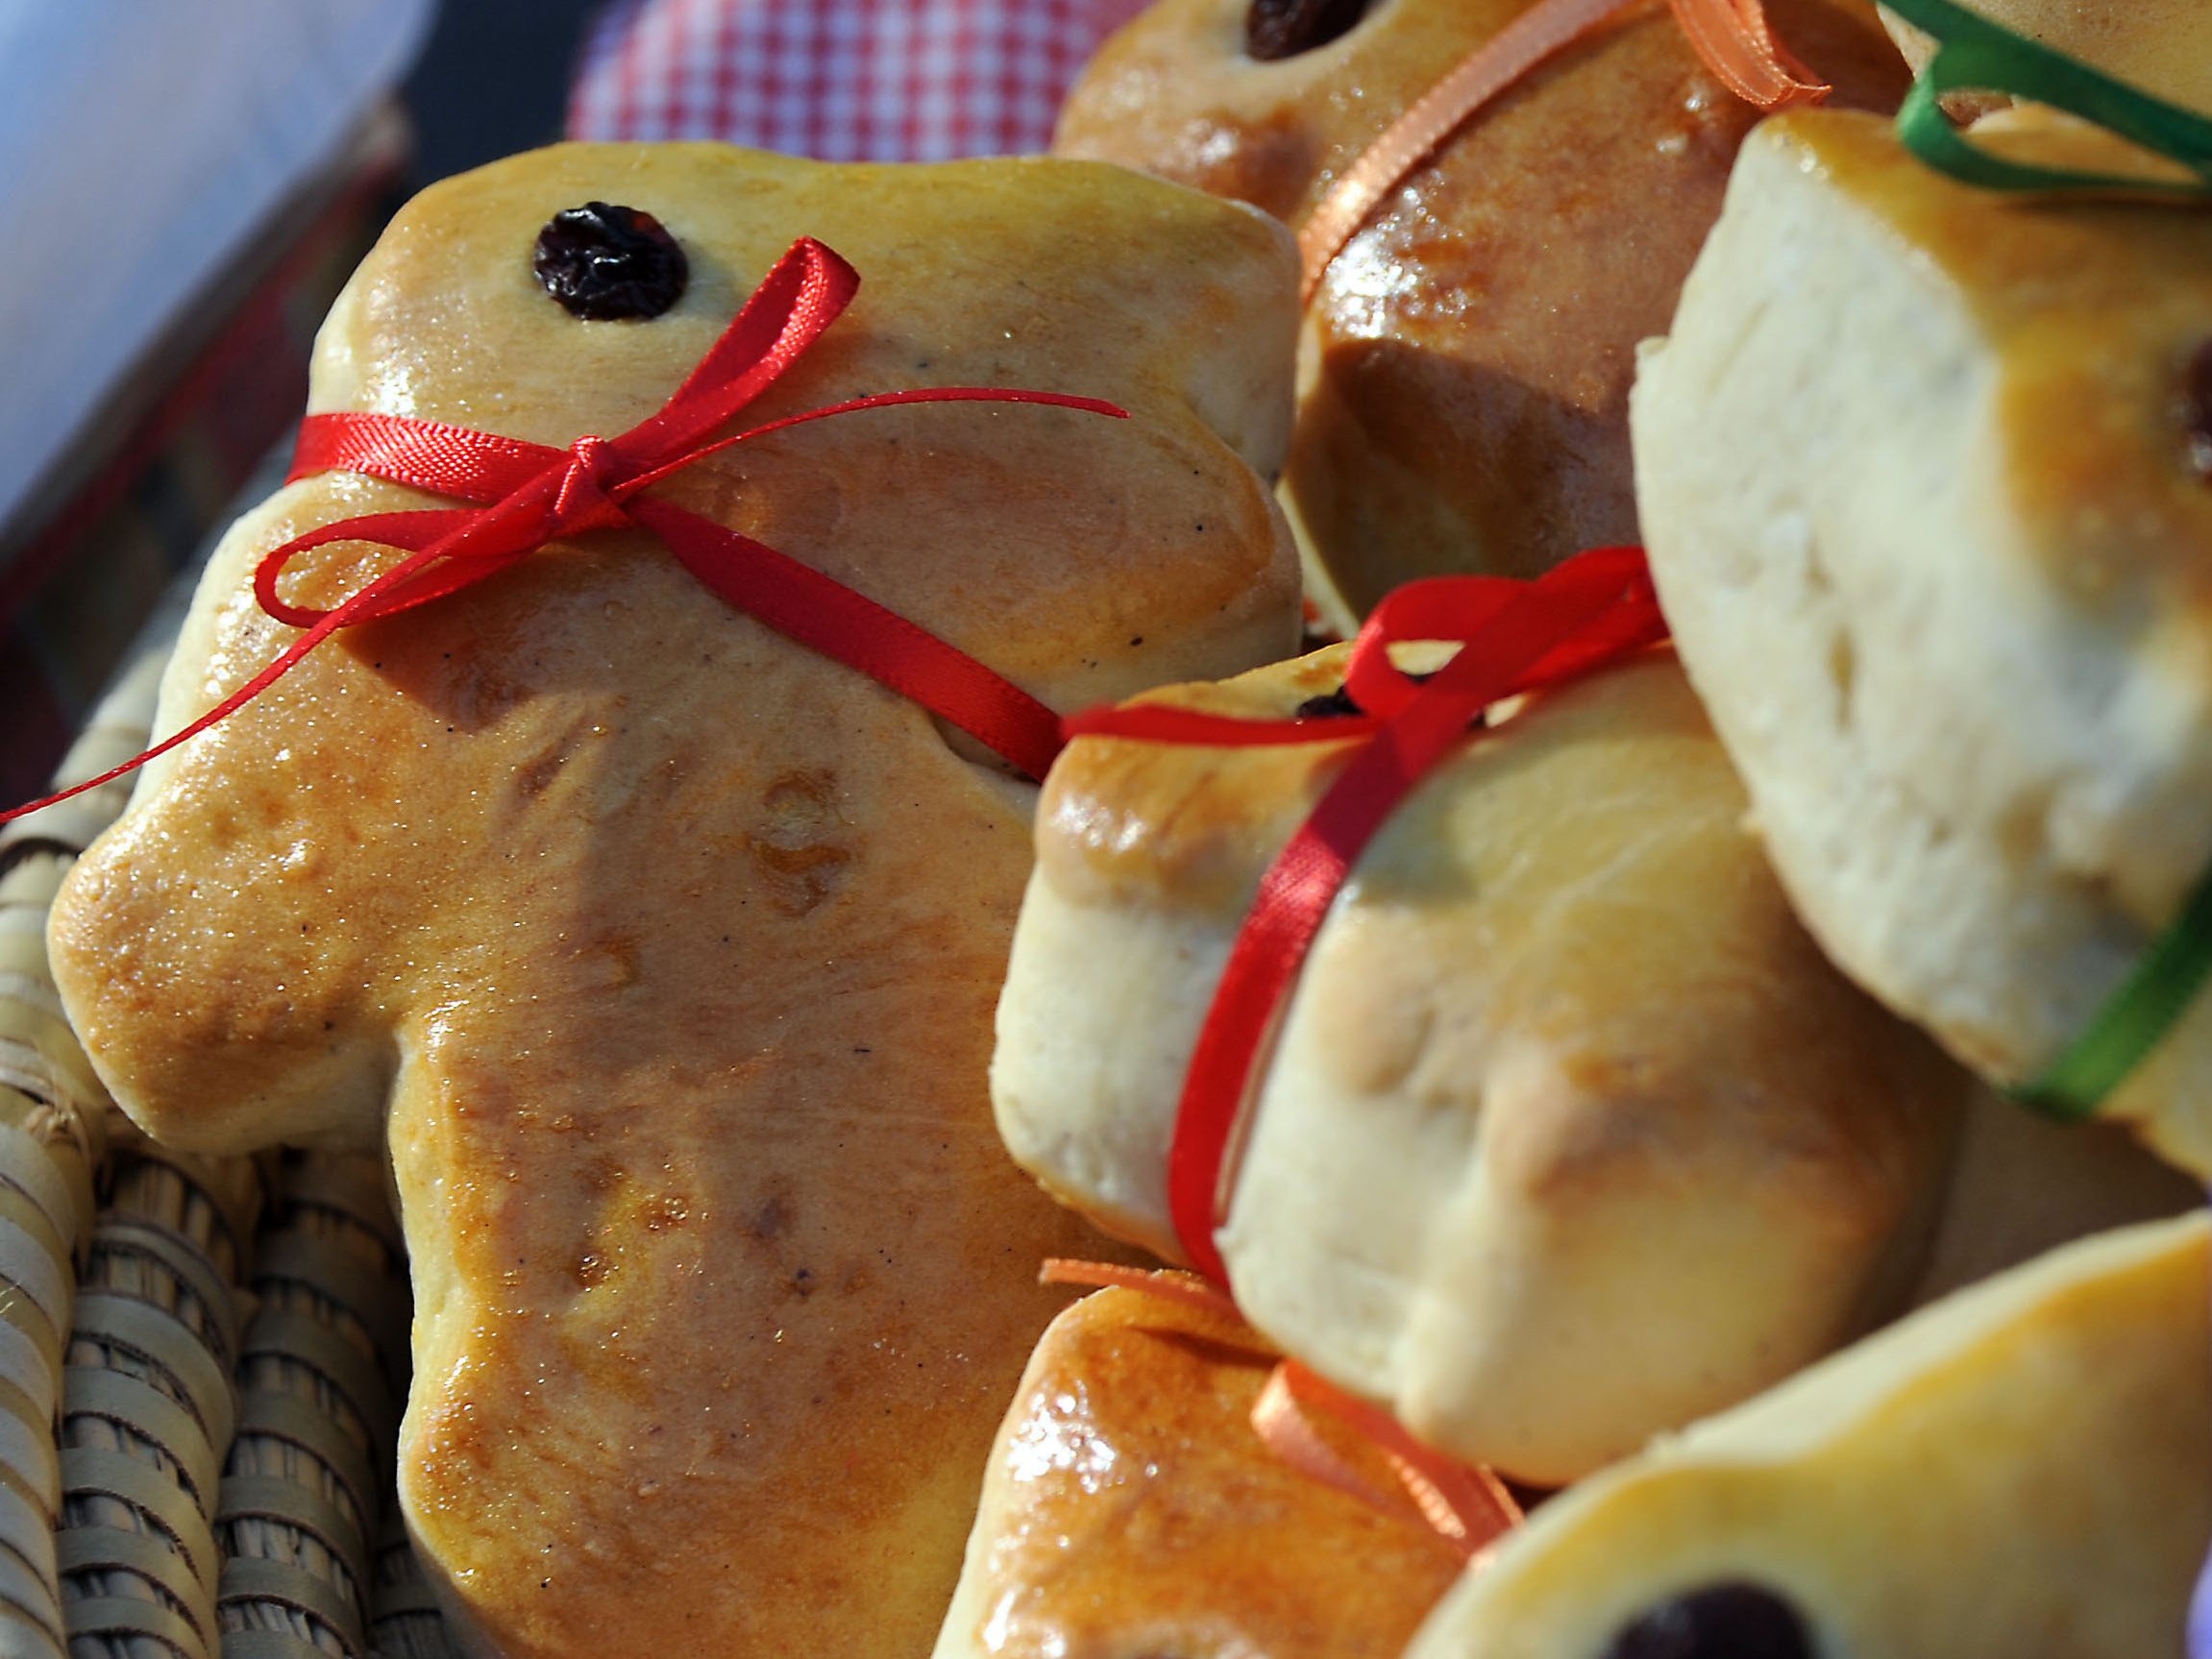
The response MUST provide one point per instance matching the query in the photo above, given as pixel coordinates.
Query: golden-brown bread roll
(1130, 1510)
(1570, 1133)
(2024, 1468)
(1926, 481)
(2163, 46)
(1474, 343)
(669, 945)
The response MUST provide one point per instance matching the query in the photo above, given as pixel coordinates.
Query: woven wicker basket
(201, 1361)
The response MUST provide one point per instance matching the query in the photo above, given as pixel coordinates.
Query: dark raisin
(604, 262)
(2197, 409)
(1720, 1621)
(1331, 706)
(1277, 29)
(1337, 704)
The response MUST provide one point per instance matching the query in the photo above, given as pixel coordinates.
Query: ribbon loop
(1976, 55)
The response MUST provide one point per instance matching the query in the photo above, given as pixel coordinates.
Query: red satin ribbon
(1515, 637)
(525, 494)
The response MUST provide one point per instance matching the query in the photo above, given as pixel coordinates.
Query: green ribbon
(1975, 55)
(2133, 1019)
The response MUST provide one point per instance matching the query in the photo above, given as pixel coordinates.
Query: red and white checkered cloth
(839, 80)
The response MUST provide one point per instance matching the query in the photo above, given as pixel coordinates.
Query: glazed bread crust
(668, 947)
(1130, 1509)
(1472, 350)
(1917, 485)
(1571, 1135)
(2023, 1468)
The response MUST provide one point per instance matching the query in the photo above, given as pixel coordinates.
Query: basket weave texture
(201, 1361)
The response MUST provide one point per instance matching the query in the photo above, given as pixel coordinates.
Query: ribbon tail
(1465, 1503)
(1270, 949)
(827, 616)
(376, 599)
(1280, 1421)
(877, 400)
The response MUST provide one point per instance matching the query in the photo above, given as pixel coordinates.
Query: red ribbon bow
(525, 494)
(1515, 637)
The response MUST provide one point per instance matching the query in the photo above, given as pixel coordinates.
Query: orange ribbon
(1731, 36)
(1467, 1507)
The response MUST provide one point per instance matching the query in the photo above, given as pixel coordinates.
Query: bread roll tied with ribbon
(2023, 1468)
(1949, 611)
(632, 858)
(1518, 190)
(1129, 1505)
(1568, 1133)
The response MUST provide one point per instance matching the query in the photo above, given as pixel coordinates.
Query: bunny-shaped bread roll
(1570, 1133)
(661, 949)
(2163, 46)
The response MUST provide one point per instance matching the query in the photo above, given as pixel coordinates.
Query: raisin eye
(1284, 28)
(604, 262)
(1329, 706)
(1722, 1621)
(2196, 411)
(1339, 703)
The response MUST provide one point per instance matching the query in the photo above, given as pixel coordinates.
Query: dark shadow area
(493, 79)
